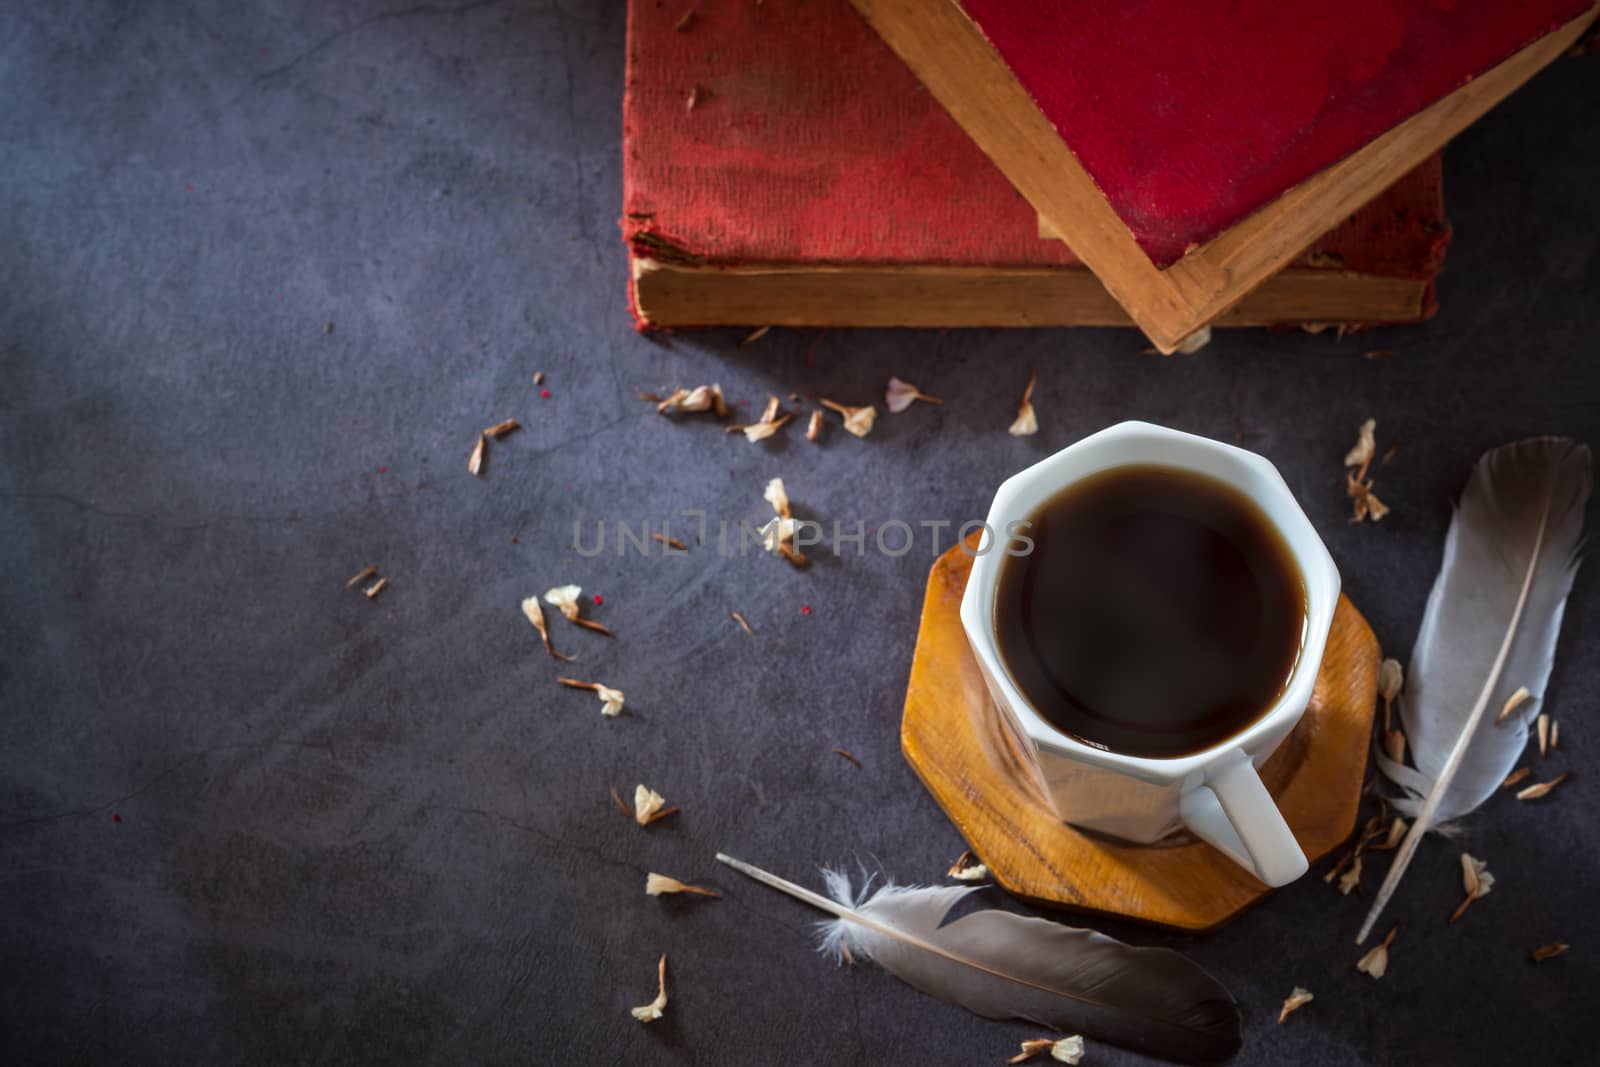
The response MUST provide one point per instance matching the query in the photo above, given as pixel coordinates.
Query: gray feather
(1005, 966)
(1490, 626)
(1487, 553)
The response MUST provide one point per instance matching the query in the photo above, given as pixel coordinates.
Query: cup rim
(1019, 494)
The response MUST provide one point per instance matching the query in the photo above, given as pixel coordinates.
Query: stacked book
(783, 165)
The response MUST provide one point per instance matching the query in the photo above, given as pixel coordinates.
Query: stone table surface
(249, 816)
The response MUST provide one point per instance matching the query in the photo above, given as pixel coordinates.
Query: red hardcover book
(783, 167)
(1188, 149)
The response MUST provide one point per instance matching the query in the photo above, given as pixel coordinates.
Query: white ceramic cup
(1217, 792)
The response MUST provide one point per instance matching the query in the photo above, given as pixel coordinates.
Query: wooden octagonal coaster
(961, 748)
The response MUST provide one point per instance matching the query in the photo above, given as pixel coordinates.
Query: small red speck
(598, 599)
(115, 817)
(383, 470)
(742, 403)
(188, 187)
(545, 393)
(805, 609)
(514, 540)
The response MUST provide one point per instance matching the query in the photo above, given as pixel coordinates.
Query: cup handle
(1234, 813)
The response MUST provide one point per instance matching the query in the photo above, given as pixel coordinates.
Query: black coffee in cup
(1158, 612)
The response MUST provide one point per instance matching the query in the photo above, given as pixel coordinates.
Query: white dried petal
(902, 394)
(777, 496)
(1027, 422)
(1376, 960)
(1390, 679)
(1544, 733)
(1534, 792)
(1351, 877)
(760, 431)
(647, 1013)
(1366, 444)
(1513, 702)
(565, 599)
(610, 701)
(475, 461)
(814, 426)
(1475, 876)
(1297, 998)
(646, 802)
(657, 884)
(1068, 1050)
(858, 421)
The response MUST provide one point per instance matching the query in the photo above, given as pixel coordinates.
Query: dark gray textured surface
(378, 831)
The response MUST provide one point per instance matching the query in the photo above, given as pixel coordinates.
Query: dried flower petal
(1036, 1046)
(475, 461)
(1397, 833)
(535, 615)
(1376, 960)
(1297, 998)
(363, 575)
(1026, 422)
(652, 1011)
(858, 421)
(1063, 1050)
(901, 394)
(740, 619)
(1555, 733)
(814, 426)
(1351, 878)
(1534, 792)
(670, 542)
(657, 884)
(1475, 880)
(1366, 444)
(700, 398)
(1391, 678)
(776, 495)
(1544, 734)
(846, 753)
(1516, 776)
(564, 598)
(500, 429)
(1550, 951)
(538, 377)
(1513, 702)
(966, 868)
(766, 426)
(648, 805)
(760, 431)
(693, 100)
(754, 335)
(610, 699)
(375, 588)
(684, 20)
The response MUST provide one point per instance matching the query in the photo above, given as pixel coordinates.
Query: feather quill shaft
(1002, 966)
(1509, 561)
